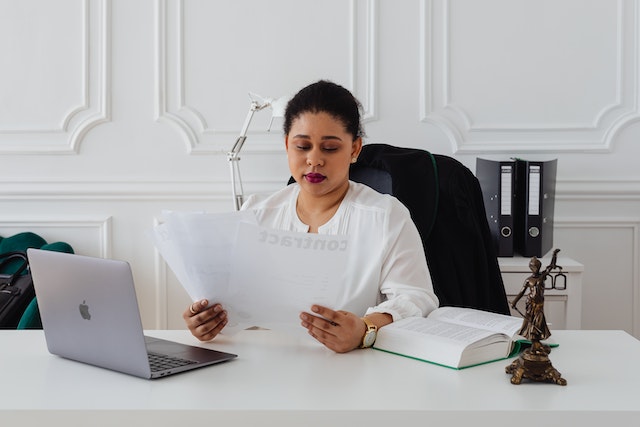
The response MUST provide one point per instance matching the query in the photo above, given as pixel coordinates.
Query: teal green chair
(31, 317)
(21, 242)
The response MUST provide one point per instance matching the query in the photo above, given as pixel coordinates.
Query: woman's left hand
(341, 331)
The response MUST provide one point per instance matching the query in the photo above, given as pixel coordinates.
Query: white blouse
(387, 271)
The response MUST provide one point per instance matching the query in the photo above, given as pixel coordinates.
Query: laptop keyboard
(160, 362)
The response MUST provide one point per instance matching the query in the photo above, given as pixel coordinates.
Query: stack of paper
(262, 277)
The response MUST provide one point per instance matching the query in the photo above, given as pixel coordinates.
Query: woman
(388, 279)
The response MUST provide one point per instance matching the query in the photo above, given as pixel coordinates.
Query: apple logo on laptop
(84, 310)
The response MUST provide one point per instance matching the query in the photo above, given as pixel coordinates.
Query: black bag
(16, 290)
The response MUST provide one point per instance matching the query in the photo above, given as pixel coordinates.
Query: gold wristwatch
(370, 334)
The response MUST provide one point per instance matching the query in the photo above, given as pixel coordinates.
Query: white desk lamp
(257, 103)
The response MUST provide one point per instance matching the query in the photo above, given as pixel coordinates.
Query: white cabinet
(562, 307)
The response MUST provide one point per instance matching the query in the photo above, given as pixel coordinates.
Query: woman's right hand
(205, 323)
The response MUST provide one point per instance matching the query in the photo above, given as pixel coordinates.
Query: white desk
(284, 381)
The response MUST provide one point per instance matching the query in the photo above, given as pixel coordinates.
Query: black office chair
(445, 202)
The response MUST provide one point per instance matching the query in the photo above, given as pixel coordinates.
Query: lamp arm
(235, 150)
(237, 191)
(234, 156)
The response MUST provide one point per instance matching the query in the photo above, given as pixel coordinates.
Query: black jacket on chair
(445, 201)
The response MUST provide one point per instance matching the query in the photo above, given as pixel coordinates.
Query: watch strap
(371, 329)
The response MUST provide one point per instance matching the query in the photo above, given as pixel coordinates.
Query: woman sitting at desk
(389, 278)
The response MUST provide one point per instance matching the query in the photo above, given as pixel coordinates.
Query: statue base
(534, 364)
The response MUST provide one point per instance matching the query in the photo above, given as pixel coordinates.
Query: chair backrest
(445, 202)
(378, 179)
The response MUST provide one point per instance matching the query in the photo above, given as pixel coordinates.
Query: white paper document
(197, 247)
(262, 277)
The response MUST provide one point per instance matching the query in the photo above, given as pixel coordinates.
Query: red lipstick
(314, 178)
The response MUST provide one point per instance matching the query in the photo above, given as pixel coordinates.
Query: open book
(453, 337)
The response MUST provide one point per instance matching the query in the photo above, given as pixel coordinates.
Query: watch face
(369, 339)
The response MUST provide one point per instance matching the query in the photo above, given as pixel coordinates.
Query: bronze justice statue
(534, 363)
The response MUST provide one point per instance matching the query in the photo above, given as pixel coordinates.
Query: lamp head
(278, 105)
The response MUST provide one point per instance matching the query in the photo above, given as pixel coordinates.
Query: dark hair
(325, 96)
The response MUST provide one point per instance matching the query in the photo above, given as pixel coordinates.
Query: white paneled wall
(527, 76)
(112, 111)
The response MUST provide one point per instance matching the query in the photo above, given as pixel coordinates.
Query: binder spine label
(505, 189)
(534, 190)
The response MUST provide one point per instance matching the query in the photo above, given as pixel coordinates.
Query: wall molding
(466, 136)
(112, 190)
(365, 86)
(633, 225)
(161, 272)
(149, 190)
(95, 106)
(598, 190)
(199, 136)
(98, 226)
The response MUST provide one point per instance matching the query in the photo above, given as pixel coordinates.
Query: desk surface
(295, 381)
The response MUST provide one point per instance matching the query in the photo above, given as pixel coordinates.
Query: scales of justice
(534, 363)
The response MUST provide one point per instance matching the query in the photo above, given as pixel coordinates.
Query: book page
(442, 343)
(463, 335)
(500, 323)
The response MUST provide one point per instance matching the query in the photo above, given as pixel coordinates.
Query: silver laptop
(90, 314)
